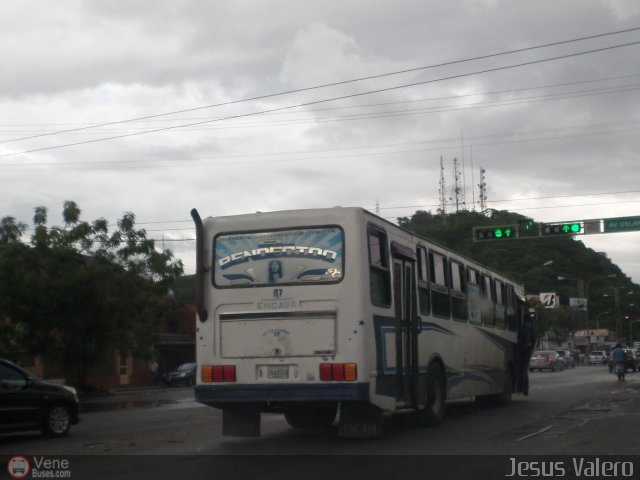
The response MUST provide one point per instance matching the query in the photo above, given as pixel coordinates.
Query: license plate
(278, 372)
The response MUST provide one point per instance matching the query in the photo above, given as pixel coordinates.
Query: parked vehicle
(184, 374)
(567, 358)
(545, 360)
(630, 359)
(27, 403)
(597, 357)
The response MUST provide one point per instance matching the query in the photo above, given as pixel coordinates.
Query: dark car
(184, 374)
(630, 359)
(27, 403)
(567, 358)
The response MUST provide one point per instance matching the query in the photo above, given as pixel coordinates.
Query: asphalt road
(583, 411)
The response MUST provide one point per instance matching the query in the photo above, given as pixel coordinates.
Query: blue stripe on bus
(497, 340)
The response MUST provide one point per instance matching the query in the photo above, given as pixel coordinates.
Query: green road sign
(621, 224)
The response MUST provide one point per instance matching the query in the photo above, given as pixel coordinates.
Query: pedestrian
(153, 370)
(526, 345)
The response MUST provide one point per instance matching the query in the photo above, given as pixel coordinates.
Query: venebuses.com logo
(18, 467)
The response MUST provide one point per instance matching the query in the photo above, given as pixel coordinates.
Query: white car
(597, 357)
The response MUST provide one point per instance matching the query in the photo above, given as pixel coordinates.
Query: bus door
(407, 323)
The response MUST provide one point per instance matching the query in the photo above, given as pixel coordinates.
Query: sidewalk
(136, 397)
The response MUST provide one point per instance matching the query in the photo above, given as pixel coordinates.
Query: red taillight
(325, 372)
(218, 373)
(228, 373)
(339, 372)
(549, 359)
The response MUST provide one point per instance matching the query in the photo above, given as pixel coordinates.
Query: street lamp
(586, 289)
(531, 270)
(630, 336)
(598, 319)
(586, 285)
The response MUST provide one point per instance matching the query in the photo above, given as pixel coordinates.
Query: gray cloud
(85, 63)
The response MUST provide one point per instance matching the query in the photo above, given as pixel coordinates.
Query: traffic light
(505, 232)
(567, 228)
(527, 229)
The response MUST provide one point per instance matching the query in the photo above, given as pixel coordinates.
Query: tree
(79, 292)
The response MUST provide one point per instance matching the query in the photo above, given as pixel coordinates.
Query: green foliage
(79, 292)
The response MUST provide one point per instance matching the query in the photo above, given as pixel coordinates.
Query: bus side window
(473, 295)
(379, 275)
(500, 309)
(511, 303)
(458, 291)
(424, 296)
(439, 281)
(488, 302)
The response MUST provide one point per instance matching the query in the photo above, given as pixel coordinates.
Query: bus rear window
(297, 256)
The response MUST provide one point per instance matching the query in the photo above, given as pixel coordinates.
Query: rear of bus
(279, 321)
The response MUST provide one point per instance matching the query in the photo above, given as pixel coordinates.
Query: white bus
(311, 312)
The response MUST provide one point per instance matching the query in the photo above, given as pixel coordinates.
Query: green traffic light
(575, 227)
(497, 233)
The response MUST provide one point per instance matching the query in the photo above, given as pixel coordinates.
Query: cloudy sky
(159, 106)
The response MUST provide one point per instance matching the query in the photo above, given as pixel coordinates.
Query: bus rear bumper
(217, 395)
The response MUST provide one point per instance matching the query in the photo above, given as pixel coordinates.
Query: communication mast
(442, 190)
(483, 191)
(457, 191)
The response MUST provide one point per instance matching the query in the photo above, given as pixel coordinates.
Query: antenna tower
(483, 191)
(457, 191)
(442, 190)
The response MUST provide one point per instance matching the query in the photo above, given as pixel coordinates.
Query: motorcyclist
(618, 358)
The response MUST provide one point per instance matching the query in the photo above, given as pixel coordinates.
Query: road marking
(542, 430)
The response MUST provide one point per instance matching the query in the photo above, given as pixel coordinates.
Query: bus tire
(311, 415)
(505, 397)
(433, 413)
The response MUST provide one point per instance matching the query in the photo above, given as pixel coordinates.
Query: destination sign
(621, 224)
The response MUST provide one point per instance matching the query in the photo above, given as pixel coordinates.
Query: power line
(420, 100)
(439, 144)
(344, 82)
(443, 108)
(316, 102)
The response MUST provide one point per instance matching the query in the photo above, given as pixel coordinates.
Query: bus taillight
(218, 373)
(339, 372)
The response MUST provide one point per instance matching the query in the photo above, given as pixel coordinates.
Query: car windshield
(186, 366)
(596, 354)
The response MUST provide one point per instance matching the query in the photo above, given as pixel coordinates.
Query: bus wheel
(310, 415)
(504, 398)
(433, 414)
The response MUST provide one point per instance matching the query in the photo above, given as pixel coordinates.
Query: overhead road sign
(621, 224)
